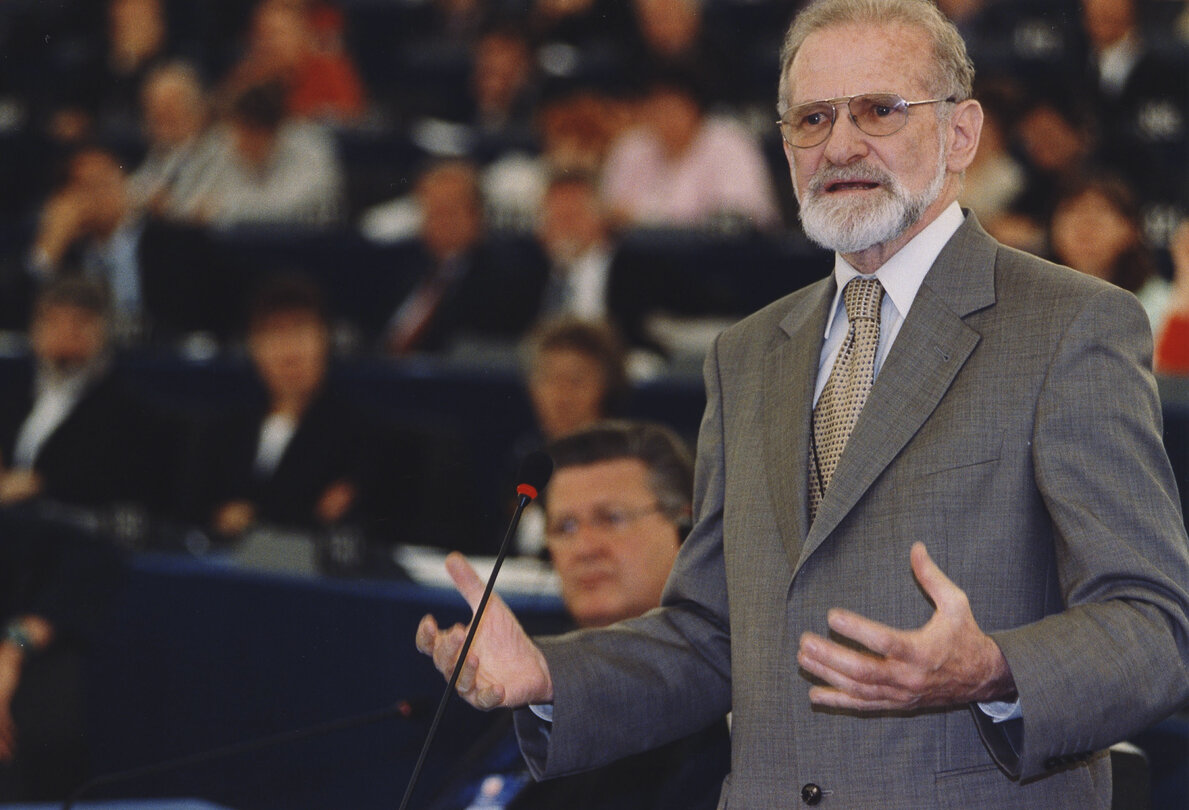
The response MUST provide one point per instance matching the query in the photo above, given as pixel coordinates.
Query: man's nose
(846, 142)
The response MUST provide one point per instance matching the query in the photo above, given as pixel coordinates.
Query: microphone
(534, 473)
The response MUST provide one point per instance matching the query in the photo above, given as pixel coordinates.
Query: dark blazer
(114, 447)
(495, 296)
(330, 444)
(1015, 429)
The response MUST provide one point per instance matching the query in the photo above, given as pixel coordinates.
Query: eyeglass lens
(611, 520)
(873, 113)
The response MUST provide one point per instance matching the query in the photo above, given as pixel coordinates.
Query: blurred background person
(995, 180)
(300, 455)
(98, 93)
(575, 372)
(56, 585)
(1096, 229)
(682, 167)
(504, 87)
(457, 285)
(319, 77)
(87, 227)
(72, 431)
(618, 508)
(1142, 101)
(271, 167)
(176, 122)
(575, 235)
(672, 35)
(1056, 137)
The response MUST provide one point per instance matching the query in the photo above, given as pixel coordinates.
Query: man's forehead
(612, 481)
(852, 58)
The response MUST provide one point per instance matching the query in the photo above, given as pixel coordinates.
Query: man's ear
(966, 124)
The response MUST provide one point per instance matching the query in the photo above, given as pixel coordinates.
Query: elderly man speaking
(937, 391)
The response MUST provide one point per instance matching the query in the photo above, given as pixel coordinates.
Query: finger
(489, 697)
(466, 675)
(940, 588)
(469, 584)
(832, 662)
(858, 688)
(837, 699)
(446, 649)
(427, 632)
(875, 636)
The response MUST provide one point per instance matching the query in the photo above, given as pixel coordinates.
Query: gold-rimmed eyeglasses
(875, 114)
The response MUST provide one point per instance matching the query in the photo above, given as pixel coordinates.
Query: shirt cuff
(1000, 710)
(543, 710)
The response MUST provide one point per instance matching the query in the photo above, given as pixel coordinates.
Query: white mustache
(858, 172)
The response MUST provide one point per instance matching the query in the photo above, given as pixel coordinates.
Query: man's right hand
(503, 667)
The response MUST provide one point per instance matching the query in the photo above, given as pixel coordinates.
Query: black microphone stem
(466, 646)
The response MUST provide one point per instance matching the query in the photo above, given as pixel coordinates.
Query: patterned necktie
(846, 389)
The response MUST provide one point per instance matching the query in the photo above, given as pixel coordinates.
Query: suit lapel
(790, 371)
(933, 344)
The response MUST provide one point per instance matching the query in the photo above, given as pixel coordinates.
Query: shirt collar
(902, 275)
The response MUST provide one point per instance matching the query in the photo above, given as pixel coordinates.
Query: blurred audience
(72, 431)
(300, 455)
(459, 285)
(575, 124)
(88, 227)
(180, 148)
(56, 584)
(681, 166)
(995, 180)
(284, 45)
(618, 508)
(503, 85)
(271, 168)
(99, 95)
(1096, 229)
(582, 27)
(1056, 138)
(672, 35)
(575, 372)
(1139, 95)
(1172, 342)
(574, 233)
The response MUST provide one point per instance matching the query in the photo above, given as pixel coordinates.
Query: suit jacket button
(811, 794)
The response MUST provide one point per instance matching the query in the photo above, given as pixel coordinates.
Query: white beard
(846, 225)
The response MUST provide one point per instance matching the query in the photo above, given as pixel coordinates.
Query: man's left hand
(946, 662)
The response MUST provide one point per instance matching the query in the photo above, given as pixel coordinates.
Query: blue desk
(130, 804)
(202, 654)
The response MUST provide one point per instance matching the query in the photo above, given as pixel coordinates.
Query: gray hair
(952, 71)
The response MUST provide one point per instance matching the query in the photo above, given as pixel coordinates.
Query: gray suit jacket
(1015, 429)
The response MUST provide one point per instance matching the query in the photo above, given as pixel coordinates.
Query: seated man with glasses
(617, 509)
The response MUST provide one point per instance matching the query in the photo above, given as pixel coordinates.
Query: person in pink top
(685, 167)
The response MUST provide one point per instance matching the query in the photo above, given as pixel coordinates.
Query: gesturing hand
(948, 661)
(503, 666)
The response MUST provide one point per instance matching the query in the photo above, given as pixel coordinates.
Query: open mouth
(851, 185)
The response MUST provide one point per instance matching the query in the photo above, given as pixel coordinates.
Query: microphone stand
(524, 500)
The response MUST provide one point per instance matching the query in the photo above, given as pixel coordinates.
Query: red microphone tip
(528, 490)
